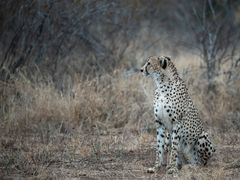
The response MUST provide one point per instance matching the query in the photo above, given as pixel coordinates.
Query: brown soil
(124, 154)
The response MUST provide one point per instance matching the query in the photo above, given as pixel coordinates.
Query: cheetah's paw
(172, 170)
(151, 170)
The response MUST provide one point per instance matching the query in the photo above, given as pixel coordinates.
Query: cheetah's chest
(163, 110)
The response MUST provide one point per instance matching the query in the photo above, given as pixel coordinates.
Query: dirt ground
(120, 154)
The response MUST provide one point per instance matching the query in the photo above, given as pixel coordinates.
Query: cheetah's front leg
(162, 147)
(172, 167)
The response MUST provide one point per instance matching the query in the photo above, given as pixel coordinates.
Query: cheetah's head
(157, 66)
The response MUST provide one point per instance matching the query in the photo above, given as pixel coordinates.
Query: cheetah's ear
(163, 62)
(168, 58)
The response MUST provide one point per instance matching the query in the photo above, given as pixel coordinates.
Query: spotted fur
(177, 120)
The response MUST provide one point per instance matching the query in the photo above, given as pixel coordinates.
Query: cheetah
(179, 127)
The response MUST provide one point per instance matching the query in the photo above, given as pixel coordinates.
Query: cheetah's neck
(163, 79)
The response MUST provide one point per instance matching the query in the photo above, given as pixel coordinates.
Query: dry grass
(103, 102)
(103, 125)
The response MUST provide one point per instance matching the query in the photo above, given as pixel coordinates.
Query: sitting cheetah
(177, 119)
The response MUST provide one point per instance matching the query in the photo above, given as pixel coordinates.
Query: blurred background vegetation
(72, 66)
(60, 38)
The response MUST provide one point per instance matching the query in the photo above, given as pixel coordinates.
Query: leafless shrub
(47, 32)
(216, 34)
